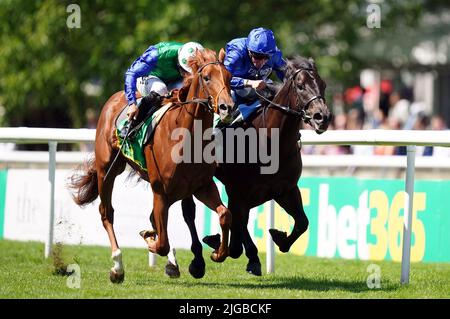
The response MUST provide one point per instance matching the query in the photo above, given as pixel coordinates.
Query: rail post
(51, 177)
(151, 259)
(270, 248)
(407, 220)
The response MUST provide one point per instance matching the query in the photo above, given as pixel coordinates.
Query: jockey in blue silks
(251, 61)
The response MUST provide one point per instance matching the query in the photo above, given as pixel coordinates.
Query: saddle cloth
(247, 109)
(140, 135)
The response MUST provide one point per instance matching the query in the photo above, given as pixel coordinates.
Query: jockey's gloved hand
(133, 112)
(256, 84)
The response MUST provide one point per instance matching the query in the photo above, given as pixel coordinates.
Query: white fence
(411, 139)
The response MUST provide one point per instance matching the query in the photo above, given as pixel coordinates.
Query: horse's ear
(221, 55)
(313, 63)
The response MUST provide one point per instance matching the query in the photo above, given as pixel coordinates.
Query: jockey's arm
(232, 63)
(141, 67)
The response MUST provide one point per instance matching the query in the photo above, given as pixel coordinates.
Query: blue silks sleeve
(233, 62)
(141, 67)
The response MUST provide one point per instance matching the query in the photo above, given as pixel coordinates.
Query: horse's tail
(84, 184)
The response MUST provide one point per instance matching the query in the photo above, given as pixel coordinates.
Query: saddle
(141, 132)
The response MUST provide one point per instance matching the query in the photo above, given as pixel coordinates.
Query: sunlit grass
(24, 273)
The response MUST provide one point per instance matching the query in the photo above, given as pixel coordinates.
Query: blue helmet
(261, 41)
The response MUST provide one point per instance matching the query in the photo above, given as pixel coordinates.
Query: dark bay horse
(206, 90)
(301, 98)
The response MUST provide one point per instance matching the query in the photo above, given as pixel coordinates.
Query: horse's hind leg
(291, 202)
(197, 266)
(209, 195)
(106, 210)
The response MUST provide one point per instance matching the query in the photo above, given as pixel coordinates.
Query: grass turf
(24, 273)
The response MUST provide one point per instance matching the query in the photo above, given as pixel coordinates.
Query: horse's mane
(297, 62)
(292, 64)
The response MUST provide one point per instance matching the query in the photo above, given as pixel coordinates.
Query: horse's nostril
(318, 117)
(223, 107)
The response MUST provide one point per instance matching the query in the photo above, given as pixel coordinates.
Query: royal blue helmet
(261, 41)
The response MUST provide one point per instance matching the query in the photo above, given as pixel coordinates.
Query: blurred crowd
(387, 108)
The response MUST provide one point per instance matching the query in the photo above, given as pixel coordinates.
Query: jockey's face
(258, 60)
(182, 71)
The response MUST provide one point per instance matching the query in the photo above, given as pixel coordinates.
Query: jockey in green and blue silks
(251, 61)
(158, 69)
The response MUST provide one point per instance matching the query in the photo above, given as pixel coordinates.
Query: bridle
(288, 110)
(211, 103)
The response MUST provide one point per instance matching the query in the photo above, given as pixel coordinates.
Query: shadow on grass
(290, 283)
(302, 283)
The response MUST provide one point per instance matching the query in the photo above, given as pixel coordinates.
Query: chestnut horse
(205, 90)
(301, 98)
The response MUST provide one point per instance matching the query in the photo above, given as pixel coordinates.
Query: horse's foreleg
(106, 210)
(240, 218)
(159, 244)
(254, 264)
(291, 202)
(172, 269)
(209, 195)
(237, 231)
(251, 251)
(197, 266)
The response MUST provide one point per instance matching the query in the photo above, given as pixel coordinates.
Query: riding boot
(238, 120)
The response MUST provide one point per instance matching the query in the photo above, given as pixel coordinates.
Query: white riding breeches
(147, 84)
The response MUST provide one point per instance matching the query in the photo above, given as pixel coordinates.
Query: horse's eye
(301, 87)
(206, 78)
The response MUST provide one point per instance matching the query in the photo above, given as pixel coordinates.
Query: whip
(120, 149)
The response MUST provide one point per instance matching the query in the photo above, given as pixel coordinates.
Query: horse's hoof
(254, 268)
(197, 269)
(148, 233)
(115, 277)
(212, 241)
(216, 258)
(236, 252)
(172, 271)
(279, 238)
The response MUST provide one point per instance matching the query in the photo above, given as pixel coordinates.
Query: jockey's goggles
(259, 56)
